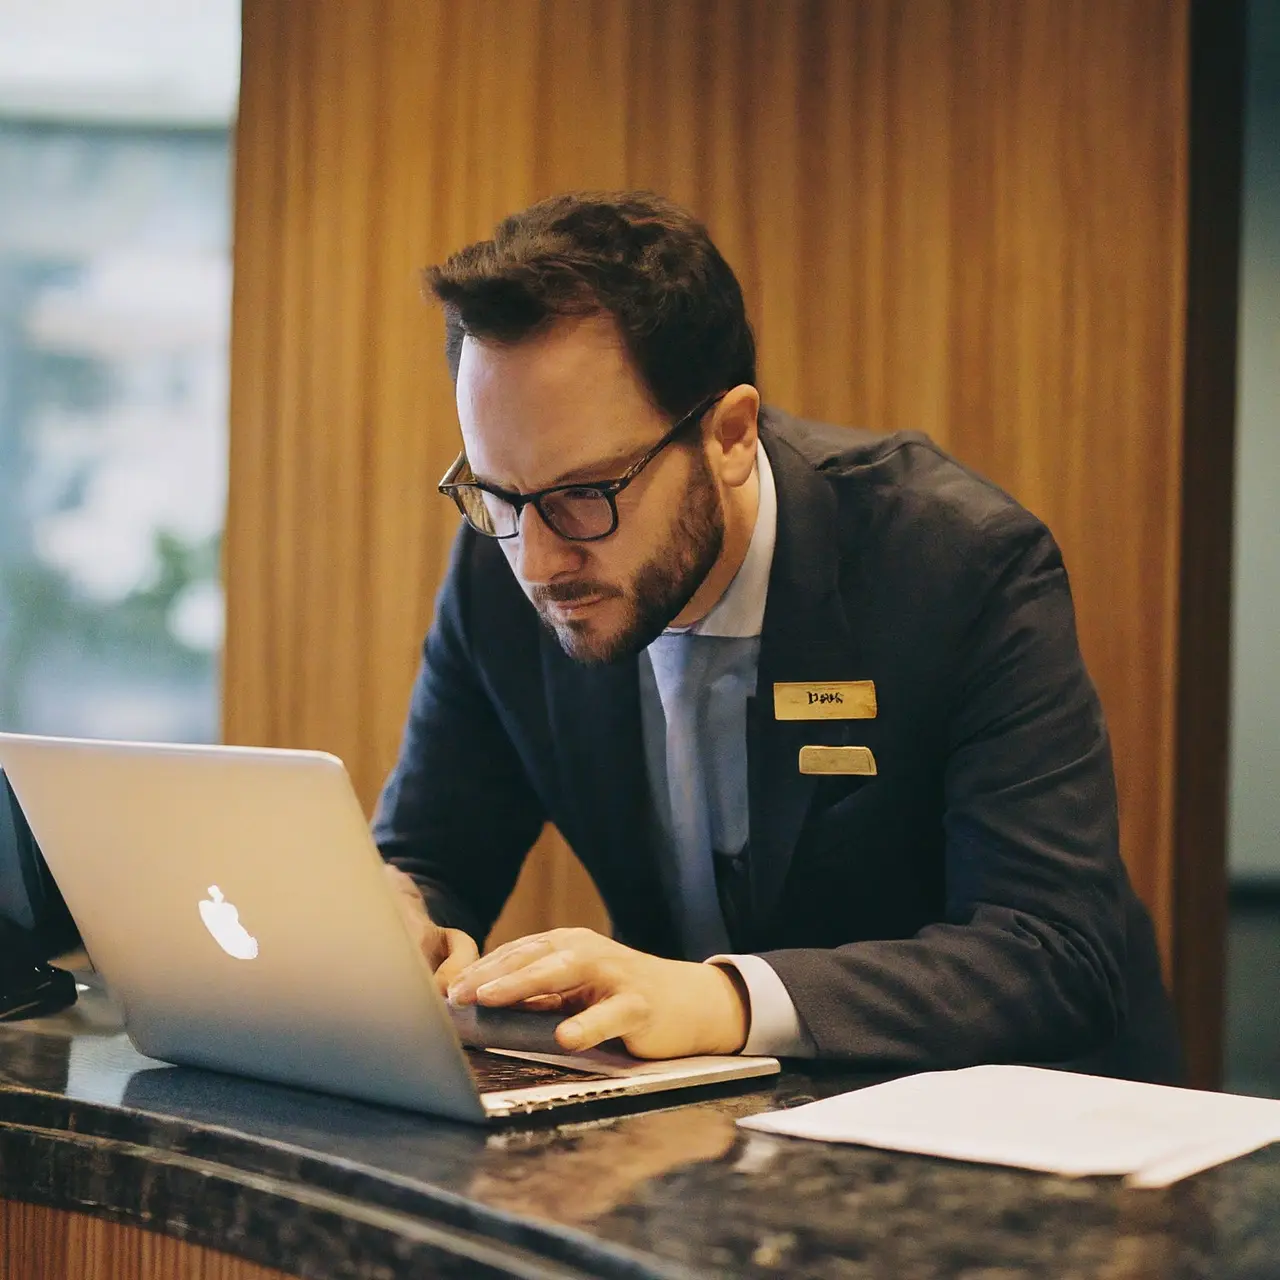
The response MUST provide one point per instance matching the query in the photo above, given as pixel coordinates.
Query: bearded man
(807, 702)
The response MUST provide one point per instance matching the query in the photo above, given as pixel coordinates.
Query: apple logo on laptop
(223, 922)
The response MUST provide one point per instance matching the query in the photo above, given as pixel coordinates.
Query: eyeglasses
(578, 512)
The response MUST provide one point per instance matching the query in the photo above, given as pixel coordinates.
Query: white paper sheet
(1035, 1118)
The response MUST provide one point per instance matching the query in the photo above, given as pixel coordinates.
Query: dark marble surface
(322, 1187)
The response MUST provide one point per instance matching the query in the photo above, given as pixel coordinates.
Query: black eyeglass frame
(451, 486)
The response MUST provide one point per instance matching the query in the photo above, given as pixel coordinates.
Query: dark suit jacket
(966, 904)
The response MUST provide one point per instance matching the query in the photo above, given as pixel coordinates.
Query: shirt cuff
(775, 1029)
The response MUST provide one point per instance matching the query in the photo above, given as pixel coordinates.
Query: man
(806, 702)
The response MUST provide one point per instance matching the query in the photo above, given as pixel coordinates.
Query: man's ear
(733, 434)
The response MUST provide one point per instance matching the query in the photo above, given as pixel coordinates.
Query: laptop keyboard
(494, 1072)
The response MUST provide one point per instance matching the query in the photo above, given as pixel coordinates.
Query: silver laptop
(235, 904)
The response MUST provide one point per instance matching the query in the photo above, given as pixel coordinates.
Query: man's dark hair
(631, 255)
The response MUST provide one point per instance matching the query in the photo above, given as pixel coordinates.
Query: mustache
(568, 592)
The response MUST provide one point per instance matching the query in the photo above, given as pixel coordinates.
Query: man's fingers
(514, 955)
(554, 974)
(511, 955)
(551, 1001)
(615, 1016)
(506, 959)
(462, 952)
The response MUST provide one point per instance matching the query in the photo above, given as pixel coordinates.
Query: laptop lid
(236, 904)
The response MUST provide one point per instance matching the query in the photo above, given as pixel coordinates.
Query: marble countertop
(326, 1188)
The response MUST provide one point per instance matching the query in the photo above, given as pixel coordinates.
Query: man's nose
(541, 555)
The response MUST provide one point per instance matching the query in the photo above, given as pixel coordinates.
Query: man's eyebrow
(593, 473)
(607, 469)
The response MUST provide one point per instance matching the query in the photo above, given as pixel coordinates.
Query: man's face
(567, 406)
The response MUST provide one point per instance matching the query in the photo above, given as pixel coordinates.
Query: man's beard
(661, 589)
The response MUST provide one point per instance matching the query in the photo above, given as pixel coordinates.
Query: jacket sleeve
(1027, 964)
(458, 812)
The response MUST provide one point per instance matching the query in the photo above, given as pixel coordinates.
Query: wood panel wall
(964, 216)
(39, 1243)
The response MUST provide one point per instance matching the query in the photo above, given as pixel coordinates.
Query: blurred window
(115, 146)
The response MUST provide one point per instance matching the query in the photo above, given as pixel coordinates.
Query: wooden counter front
(40, 1243)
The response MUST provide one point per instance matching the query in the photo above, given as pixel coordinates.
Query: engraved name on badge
(825, 700)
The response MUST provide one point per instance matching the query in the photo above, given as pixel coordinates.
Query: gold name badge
(841, 760)
(828, 700)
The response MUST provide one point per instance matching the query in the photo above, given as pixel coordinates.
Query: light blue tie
(703, 683)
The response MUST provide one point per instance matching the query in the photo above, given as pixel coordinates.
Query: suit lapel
(594, 713)
(805, 637)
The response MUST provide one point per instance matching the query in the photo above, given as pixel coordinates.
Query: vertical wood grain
(39, 1243)
(962, 216)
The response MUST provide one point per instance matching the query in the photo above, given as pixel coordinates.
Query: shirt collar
(740, 611)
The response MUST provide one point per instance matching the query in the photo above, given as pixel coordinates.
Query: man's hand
(448, 951)
(659, 1008)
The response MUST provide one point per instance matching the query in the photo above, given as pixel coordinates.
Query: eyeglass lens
(572, 513)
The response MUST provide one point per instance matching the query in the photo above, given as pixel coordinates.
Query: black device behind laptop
(34, 922)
